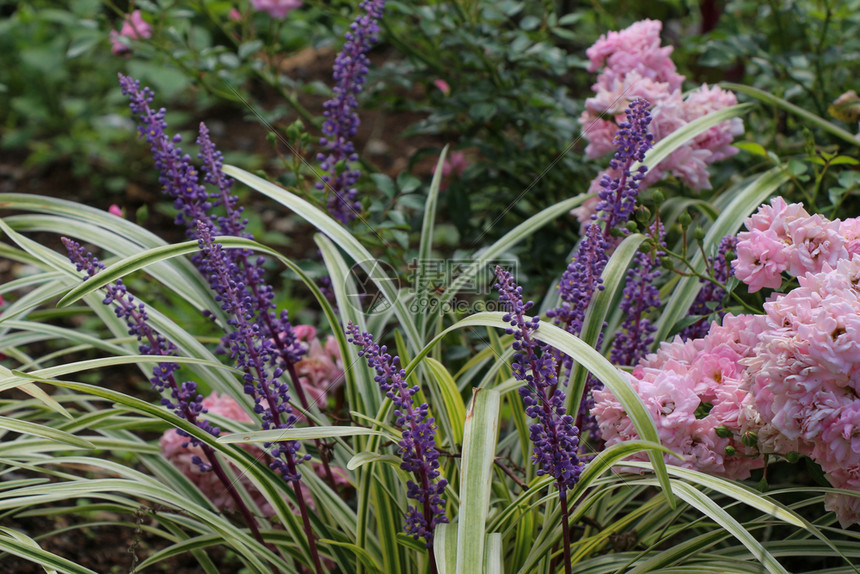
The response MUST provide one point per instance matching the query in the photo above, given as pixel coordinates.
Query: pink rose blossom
(636, 48)
(761, 259)
(634, 65)
(276, 8)
(134, 27)
(805, 372)
(676, 382)
(846, 506)
(321, 369)
(849, 230)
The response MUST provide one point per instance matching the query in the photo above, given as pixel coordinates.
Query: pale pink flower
(761, 259)
(443, 86)
(634, 65)
(134, 27)
(454, 166)
(276, 8)
(321, 368)
(805, 373)
(599, 134)
(114, 209)
(717, 139)
(846, 506)
(636, 48)
(676, 382)
(815, 241)
(850, 232)
(777, 217)
(235, 15)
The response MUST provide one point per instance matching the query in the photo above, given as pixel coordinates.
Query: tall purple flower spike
(182, 183)
(555, 438)
(183, 398)
(418, 445)
(640, 295)
(261, 342)
(341, 124)
(582, 278)
(617, 202)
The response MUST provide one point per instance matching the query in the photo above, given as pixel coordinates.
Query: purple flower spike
(639, 297)
(183, 398)
(178, 175)
(418, 443)
(555, 438)
(582, 278)
(252, 354)
(618, 195)
(341, 124)
(181, 182)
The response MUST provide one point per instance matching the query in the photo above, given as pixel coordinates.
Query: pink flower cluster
(134, 27)
(693, 392)
(276, 8)
(782, 237)
(635, 65)
(178, 451)
(784, 382)
(804, 375)
(321, 369)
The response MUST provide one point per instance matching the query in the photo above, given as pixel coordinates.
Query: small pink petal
(443, 86)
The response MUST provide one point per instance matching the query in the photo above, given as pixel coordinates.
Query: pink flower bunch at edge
(804, 375)
(134, 27)
(276, 8)
(785, 238)
(635, 65)
(786, 382)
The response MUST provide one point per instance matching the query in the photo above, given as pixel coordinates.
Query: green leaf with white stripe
(343, 238)
(479, 451)
(613, 277)
(815, 120)
(681, 136)
(591, 359)
(34, 429)
(304, 433)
